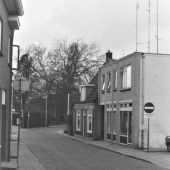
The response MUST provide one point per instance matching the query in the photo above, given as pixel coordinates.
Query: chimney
(108, 56)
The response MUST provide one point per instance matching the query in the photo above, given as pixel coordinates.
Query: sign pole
(148, 134)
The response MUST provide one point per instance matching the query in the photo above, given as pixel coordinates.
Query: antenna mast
(149, 13)
(157, 37)
(137, 7)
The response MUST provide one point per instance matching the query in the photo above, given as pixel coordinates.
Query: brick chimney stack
(108, 56)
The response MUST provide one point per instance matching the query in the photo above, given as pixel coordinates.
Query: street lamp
(46, 112)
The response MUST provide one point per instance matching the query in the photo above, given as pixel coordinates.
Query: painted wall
(157, 91)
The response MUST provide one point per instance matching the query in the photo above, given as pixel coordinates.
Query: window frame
(9, 50)
(103, 83)
(3, 97)
(126, 79)
(1, 36)
(114, 79)
(78, 119)
(89, 115)
(108, 81)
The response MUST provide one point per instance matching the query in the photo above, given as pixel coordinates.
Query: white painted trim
(126, 101)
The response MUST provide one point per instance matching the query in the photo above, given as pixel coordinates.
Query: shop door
(130, 127)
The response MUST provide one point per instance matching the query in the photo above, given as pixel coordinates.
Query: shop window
(78, 120)
(123, 122)
(89, 121)
(108, 81)
(114, 79)
(126, 77)
(103, 82)
(114, 121)
(126, 123)
(109, 121)
(1, 36)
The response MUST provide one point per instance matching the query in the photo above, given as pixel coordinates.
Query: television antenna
(149, 18)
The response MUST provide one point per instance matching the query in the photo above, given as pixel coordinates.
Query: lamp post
(46, 112)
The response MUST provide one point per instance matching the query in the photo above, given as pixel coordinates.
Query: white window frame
(103, 82)
(89, 115)
(78, 120)
(9, 50)
(114, 79)
(108, 81)
(3, 97)
(125, 107)
(1, 34)
(126, 77)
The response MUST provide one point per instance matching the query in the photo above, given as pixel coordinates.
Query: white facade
(156, 85)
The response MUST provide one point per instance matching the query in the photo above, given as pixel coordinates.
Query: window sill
(114, 89)
(108, 90)
(89, 132)
(102, 91)
(126, 89)
(1, 55)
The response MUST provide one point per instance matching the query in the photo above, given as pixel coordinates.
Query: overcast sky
(109, 23)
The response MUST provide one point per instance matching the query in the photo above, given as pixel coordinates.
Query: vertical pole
(148, 134)
(46, 101)
(28, 120)
(137, 7)
(149, 27)
(157, 36)
(68, 105)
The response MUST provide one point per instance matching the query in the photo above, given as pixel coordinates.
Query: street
(57, 152)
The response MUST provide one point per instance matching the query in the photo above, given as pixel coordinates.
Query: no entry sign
(149, 108)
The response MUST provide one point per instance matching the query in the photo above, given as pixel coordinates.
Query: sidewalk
(159, 158)
(27, 161)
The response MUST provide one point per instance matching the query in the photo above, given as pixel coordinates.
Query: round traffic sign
(149, 107)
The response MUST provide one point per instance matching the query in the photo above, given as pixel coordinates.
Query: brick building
(125, 85)
(9, 12)
(87, 120)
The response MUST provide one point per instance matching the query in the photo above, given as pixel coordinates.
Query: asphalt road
(57, 152)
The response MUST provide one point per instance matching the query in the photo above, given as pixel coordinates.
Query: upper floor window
(103, 82)
(108, 81)
(9, 50)
(126, 77)
(83, 93)
(115, 79)
(0, 35)
(3, 97)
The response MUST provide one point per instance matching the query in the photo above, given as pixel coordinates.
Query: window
(123, 122)
(83, 93)
(3, 97)
(126, 123)
(89, 121)
(103, 82)
(126, 77)
(108, 81)
(9, 50)
(114, 79)
(78, 120)
(109, 121)
(1, 36)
